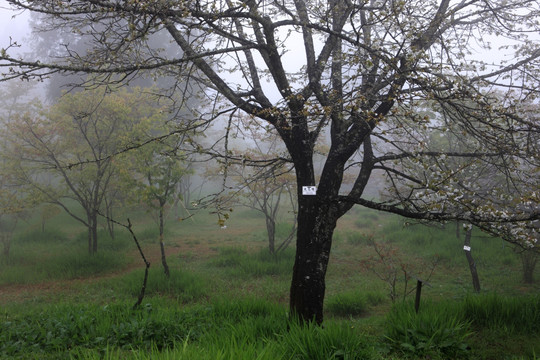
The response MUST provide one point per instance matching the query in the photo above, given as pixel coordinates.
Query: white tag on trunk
(467, 248)
(309, 190)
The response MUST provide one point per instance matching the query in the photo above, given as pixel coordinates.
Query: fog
(13, 24)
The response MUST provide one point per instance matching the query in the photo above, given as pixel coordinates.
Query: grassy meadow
(227, 296)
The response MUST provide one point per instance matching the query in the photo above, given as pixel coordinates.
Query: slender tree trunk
(90, 237)
(93, 231)
(271, 231)
(161, 243)
(316, 224)
(109, 212)
(470, 260)
(6, 242)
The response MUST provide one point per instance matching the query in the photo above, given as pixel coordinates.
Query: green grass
(227, 297)
(335, 341)
(181, 285)
(51, 255)
(55, 329)
(241, 327)
(239, 263)
(353, 302)
(234, 329)
(519, 315)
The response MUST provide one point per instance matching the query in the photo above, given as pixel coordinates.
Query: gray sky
(9, 26)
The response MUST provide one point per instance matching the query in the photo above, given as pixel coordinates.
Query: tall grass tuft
(436, 332)
(508, 314)
(334, 341)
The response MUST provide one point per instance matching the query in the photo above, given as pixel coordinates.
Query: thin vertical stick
(146, 262)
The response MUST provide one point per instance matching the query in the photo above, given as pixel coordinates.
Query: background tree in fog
(14, 202)
(13, 207)
(84, 128)
(152, 173)
(267, 192)
(357, 72)
(268, 188)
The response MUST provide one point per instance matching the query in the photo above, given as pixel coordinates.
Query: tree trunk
(161, 243)
(316, 224)
(109, 212)
(6, 242)
(89, 217)
(271, 231)
(470, 260)
(92, 232)
(529, 259)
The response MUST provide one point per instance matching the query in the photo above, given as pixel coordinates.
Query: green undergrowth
(55, 330)
(460, 329)
(254, 328)
(228, 329)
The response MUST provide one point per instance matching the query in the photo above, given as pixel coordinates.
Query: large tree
(358, 72)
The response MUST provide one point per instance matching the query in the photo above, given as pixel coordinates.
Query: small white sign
(467, 248)
(309, 190)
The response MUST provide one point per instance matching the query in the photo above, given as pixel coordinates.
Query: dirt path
(21, 293)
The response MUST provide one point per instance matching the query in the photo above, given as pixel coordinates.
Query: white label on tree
(467, 248)
(309, 190)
